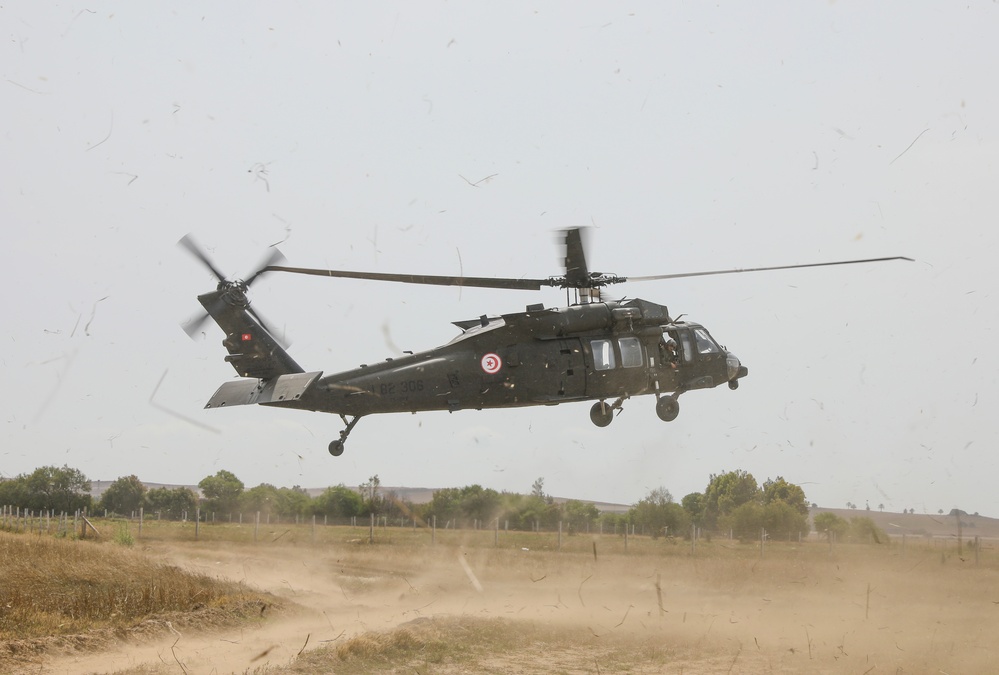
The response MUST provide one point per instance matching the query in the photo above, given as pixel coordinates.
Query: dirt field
(801, 608)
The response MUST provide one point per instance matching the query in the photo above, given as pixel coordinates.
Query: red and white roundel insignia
(491, 363)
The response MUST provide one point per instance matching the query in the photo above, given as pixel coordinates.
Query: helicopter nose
(735, 370)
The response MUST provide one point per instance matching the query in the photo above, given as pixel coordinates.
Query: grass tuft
(57, 587)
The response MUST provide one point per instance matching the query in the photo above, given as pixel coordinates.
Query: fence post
(197, 522)
(433, 531)
(313, 528)
(496, 533)
(371, 529)
(140, 522)
(560, 535)
(256, 525)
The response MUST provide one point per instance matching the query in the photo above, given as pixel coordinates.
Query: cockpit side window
(705, 345)
(603, 354)
(631, 352)
(688, 349)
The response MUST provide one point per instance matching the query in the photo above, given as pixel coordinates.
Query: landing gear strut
(336, 447)
(602, 413)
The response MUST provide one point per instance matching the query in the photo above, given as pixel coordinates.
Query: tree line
(733, 503)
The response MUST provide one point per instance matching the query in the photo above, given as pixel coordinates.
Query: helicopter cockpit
(685, 344)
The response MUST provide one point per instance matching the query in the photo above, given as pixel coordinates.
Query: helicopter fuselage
(597, 351)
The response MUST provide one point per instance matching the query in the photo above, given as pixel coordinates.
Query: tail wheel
(336, 448)
(667, 408)
(601, 414)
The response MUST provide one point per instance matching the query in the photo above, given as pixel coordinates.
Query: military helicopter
(606, 351)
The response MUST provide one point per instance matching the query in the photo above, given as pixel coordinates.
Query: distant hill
(921, 524)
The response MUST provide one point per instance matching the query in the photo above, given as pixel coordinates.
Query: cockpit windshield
(705, 343)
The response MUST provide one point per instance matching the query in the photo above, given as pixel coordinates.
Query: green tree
(123, 496)
(783, 521)
(785, 508)
(779, 490)
(48, 488)
(726, 492)
(524, 511)
(579, 515)
(863, 530)
(745, 520)
(693, 504)
(445, 505)
(478, 503)
(659, 514)
(14, 491)
(173, 503)
(538, 488)
(222, 491)
(831, 525)
(264, 499)
(294, 501)
(373, 503)
(338, 501)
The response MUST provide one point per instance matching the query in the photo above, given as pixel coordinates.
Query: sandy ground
(864, 610)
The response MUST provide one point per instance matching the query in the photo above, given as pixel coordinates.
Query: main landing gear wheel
(602, 413)
(336, 447)
(667, 408)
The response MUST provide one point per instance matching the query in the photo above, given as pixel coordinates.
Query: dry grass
(659, 607)
(452, 644)
(65, 594)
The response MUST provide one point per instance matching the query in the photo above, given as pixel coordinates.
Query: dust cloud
(802, 608)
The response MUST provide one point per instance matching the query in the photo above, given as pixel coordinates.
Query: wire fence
(325, 531)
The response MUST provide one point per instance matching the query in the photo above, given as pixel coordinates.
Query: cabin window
(688, 349)
(631, 352)
(603, 354)
(705, 345)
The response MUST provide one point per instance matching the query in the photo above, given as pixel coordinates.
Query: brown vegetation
(64, 595)
(464, 604)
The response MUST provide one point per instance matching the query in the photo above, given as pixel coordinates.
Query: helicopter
(606, 351)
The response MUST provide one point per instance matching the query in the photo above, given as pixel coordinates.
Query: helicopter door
(571, 371)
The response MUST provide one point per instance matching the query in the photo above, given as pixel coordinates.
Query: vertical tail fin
(253, 351)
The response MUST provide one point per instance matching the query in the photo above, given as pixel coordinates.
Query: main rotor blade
(576, 272)
(762, 269)
(275, 256)
(431, 280)
(187, 242)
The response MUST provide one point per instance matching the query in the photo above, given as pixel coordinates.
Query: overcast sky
(689, 136)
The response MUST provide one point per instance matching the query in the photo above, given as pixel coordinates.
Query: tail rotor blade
(194, 325)
(280, 338)
(187, 242)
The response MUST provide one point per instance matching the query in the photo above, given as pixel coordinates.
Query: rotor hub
(234, 292)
